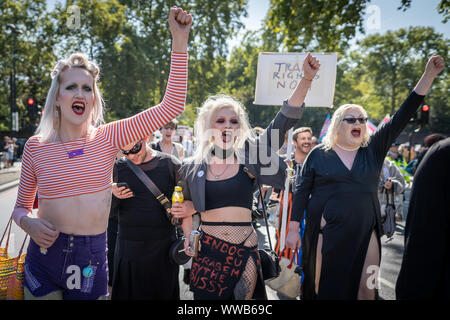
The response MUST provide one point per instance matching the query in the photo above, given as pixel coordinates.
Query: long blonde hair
(330, 139)
(203, 128)
(45, 130)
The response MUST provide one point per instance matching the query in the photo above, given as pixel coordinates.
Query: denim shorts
(60, 267)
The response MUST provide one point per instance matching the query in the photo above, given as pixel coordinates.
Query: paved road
(7, 202)
(392, 250)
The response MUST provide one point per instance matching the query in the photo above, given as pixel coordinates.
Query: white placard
(279, 73)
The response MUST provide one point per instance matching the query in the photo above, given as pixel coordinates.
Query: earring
(56, 119)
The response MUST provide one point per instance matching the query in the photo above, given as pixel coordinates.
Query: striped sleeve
(125, 131)
(28, 181)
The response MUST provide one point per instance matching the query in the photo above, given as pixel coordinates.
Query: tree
(323, 25)
(34, 58)
(134, 48)
(395, 61)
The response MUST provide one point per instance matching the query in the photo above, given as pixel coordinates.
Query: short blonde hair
(300, 130)
(45, 130)
(330, 138)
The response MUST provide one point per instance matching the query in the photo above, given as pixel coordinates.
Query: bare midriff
(227, 214)
(85, 214)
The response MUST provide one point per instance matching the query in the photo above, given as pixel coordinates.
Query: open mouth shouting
(356, 132)
(78, 107)
(227, 136)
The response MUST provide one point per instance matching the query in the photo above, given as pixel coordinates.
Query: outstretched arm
(384, 137)
(434, 66)
(123, 132)
(310, 68)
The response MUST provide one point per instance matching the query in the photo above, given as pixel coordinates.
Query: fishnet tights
(236, 235)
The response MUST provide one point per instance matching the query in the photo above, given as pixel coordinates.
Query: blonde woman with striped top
(69, 162)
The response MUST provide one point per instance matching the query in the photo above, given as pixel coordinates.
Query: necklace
(346, 149)
(217, 176)
(76, 152)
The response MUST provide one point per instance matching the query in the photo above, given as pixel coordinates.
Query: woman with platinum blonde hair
(69, 163)
(221, 177)
(207, 133)
(341, 248)
(330, 138)
(50, 123)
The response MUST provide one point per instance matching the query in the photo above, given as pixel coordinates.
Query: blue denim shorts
(61, 266)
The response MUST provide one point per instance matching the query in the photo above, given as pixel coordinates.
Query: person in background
(302, 138)
(392, 184)
(6, 147)
(166, 144)
(187, 144)
(425, 269)
(428, 142)
(283, 149)
(394, 153)
(111, 234)
(142, 266)
(314, 141)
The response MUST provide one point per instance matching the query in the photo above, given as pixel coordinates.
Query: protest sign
(279, 73)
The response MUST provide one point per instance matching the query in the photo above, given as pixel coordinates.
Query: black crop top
(236, 191)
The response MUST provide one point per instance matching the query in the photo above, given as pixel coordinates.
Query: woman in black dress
(338, 190)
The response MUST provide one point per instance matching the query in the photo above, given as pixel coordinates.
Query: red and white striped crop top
(47, 168)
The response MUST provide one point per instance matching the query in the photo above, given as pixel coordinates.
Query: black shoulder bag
(270, 263)
(176, 252)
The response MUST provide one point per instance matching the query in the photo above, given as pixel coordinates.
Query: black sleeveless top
(236, 191)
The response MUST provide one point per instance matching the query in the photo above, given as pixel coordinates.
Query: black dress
(425, 270)
(348, 201)
(142, 268)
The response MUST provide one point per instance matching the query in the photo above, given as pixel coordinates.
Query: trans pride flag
(371, 127)
(325, 126)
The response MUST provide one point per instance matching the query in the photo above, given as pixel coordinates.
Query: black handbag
(270, 263)
(389, 218)
(176, 252)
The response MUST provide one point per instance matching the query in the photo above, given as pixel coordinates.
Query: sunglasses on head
(136, 148)
(353, 120)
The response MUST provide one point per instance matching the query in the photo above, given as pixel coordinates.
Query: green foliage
(130, 39)
(34, 58)
(320, 25)
(394, 62)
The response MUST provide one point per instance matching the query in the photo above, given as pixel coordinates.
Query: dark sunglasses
(136, 148)
(353, 120)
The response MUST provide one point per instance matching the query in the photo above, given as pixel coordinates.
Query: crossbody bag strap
(151, 186)
(263, 204)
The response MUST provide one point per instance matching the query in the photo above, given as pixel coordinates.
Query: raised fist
(179, 22)
(435, 65)
(310, 67)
